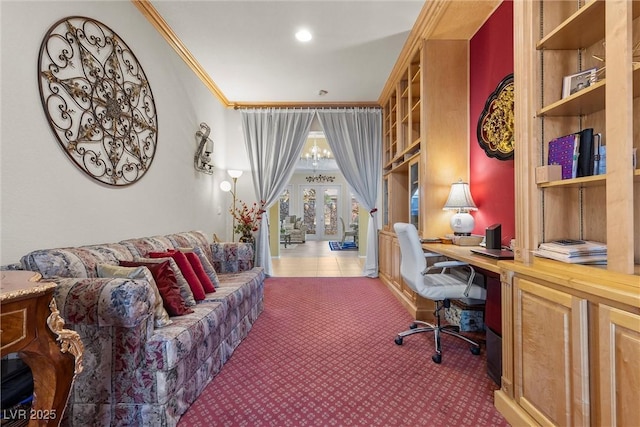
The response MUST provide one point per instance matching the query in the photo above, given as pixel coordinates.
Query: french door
(321, 210)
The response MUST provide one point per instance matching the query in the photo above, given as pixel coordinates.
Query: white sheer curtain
(355, 137)
(274, 138)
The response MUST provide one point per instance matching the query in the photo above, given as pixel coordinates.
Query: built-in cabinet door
(551, 358)
(396, 278)
(619, 343)
(385, 255)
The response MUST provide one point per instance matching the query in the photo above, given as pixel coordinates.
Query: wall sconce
(202, 158)
(460, 200)
(226, 187)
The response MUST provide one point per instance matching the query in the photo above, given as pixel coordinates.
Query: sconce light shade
(234, 173)
(460, 200)
(225, 186)
(202, 158)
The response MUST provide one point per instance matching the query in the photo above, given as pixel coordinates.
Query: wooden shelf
(582, 29)
(585, 181)
(587, 101)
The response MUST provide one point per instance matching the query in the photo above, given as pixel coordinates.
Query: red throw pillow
(186, 269)
(207, 285)
(167, 286)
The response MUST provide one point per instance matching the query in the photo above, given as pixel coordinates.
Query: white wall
(46, 201)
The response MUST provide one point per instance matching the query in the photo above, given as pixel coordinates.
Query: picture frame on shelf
(576, 82)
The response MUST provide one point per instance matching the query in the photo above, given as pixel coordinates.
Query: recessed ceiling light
(303, 35)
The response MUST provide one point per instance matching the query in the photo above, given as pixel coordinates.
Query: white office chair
(435, 283)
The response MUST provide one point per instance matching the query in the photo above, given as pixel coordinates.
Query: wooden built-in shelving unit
(425, 126)
(570, 333)
(569, 330)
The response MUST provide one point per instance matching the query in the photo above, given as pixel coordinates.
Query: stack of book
(579, 154)
(574, 251)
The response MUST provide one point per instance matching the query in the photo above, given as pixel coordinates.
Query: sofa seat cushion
(168, 346)
(240, 293)
(80, 262)
(245, 281)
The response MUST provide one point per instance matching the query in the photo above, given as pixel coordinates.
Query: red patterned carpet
(322, 354)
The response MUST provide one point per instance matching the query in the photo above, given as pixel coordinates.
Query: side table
(285, 238)
(31, 325)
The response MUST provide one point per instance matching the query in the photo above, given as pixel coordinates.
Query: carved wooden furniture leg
(32, 326)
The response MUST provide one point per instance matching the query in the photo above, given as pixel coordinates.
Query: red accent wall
(491, 180)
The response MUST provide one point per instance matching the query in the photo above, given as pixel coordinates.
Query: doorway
(321, 209)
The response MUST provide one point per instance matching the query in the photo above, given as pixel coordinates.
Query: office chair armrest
(432, 255)
(450, 264)
(446, 264)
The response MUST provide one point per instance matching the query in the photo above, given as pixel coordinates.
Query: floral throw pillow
(160, 315)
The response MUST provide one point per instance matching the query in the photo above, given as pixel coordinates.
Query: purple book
(563, 151)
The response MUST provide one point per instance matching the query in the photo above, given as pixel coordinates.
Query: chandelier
(316, 158)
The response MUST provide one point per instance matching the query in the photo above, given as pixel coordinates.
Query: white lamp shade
(460, 197)
(225, 186)
(234, 173)
(460, 200)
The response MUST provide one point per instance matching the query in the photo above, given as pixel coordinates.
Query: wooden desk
(463, 253)
(493, 306)
(31, 325)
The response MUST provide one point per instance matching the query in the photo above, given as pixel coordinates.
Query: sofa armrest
(232, 257)
(104, 301)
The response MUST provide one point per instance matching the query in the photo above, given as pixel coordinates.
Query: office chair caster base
(398, 340)
(475, 351)
(437, 358)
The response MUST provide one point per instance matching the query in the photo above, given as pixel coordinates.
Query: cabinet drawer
(14, 328)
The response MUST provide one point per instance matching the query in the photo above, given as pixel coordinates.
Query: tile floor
(315, 259)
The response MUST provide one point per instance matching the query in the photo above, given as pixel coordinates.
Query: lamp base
(462, 224)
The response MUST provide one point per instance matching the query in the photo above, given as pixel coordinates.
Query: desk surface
(463, 253)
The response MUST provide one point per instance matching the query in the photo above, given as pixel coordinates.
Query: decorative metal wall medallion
(495, 125)
(97, 100)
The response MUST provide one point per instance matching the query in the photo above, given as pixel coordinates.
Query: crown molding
(152, 15)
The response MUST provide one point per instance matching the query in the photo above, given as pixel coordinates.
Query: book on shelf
(601, 160)
(564, 151)
(573, 251)
(586, 153)
(597, 143)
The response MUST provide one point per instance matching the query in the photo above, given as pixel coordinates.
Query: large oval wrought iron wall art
(97, 100)
(495, 130)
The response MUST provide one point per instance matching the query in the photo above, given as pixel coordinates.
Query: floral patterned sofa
(134, 373)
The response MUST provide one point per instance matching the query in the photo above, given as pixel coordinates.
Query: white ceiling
(249, 50)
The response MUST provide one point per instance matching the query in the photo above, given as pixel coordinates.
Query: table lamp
(460, 200)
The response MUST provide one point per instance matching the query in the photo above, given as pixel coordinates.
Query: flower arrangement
(247, 217)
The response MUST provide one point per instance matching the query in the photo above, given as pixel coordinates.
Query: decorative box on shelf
(470, 318)
(548, 173)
